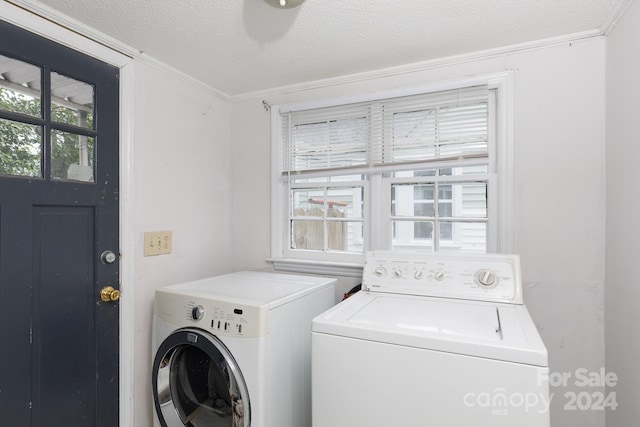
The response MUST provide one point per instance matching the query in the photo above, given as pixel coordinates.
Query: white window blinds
(413, 129)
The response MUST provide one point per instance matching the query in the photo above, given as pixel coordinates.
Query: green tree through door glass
(20, 149)
(71, 101)
(20, 99)
(72, 151)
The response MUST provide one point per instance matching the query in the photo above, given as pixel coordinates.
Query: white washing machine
(431, 340)
(235, 350)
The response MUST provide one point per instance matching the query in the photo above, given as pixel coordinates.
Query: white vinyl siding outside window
(426, 170)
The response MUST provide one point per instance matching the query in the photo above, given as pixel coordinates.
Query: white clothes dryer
(431, 340)
(235, 350)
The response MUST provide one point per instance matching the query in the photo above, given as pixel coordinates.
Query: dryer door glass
(199, 376)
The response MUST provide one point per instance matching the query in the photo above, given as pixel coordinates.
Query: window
(428, 170)
(446, 210)
(56, 144)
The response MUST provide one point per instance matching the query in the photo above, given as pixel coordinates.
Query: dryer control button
(197, 312)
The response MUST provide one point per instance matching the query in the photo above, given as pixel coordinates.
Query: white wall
(182, 173)
(622, 295)
(559, 183)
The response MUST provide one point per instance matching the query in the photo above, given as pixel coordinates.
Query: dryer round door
(197, 383)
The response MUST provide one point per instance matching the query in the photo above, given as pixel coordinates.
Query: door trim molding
(127, 246)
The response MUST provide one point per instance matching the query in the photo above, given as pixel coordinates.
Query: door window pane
(71, 156)
(71, 101)
(20, 87)
(20, 149)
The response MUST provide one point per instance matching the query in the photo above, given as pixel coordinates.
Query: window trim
(500, 214)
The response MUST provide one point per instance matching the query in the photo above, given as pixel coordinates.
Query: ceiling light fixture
(284, 4)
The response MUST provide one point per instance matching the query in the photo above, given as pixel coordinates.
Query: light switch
(157, 242)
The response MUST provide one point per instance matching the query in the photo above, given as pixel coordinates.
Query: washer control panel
(481, 277)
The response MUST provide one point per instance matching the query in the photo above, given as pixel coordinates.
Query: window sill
(317, 267)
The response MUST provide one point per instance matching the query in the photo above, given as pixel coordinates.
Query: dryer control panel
(218, 317)
(480, 277)
(221, 319)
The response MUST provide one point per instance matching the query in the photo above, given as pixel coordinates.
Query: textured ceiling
(242, 46)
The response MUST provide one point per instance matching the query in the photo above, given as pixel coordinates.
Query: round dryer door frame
(178, 401)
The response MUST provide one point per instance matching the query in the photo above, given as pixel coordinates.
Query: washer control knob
(397, 273)
(418, 274)
(439, 276)
(486, 278)
(197, 312)
(380, 271)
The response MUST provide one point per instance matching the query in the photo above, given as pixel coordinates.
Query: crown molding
(614, 16)
(36, 8)
(186, 78)
(419, 66)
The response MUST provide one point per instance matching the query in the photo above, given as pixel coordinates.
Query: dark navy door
(59, 257)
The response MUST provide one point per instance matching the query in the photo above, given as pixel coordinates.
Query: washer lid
(412, 316)
(489, 330)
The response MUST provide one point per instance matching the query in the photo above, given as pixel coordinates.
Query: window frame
(500, 168)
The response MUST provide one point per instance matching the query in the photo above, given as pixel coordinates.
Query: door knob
(108, 294)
